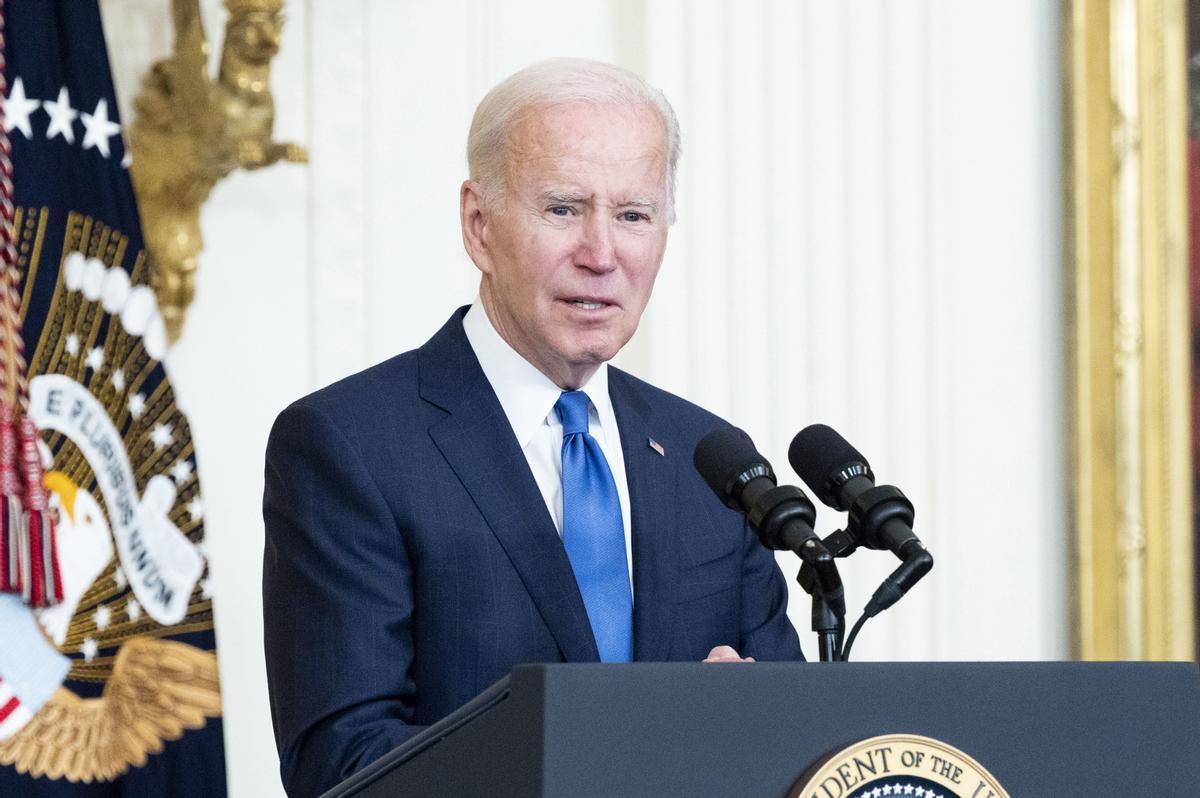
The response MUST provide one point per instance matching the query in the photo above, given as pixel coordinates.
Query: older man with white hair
(501, 494)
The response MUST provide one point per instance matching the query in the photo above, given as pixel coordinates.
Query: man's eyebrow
(568, 198)
(562, 196)
(638, 202)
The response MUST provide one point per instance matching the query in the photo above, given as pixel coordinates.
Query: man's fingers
(726, 654)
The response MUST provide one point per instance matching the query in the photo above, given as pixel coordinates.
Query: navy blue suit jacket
(410, 560)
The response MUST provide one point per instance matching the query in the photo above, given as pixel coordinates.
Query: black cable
(853, 634)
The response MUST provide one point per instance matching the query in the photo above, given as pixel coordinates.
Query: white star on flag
(97, 129)
(72, 345)
(908, 789)
(133, 609)
(118, 379)
(195, 509)
(102, 617)
(181, 471)
(17, 109)
(137, 403)
(89, 649)
(160, 435)
(61, 116)
(920, 792)
(119, 577)
(95, 358)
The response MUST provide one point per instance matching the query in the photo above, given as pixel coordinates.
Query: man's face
(570, 257)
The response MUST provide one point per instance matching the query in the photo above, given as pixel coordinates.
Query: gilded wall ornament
(1128, 355)
(190, 131)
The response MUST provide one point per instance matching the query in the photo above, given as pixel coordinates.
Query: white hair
(556, 82)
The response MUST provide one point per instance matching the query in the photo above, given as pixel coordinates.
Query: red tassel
(31, 466)
(9, 484)
(9, 526)
(35, 589)
(56, 584)
(41, 587)
(28, 551)
(21, 541)
(10, 505)
(28, 560)
(45, 585)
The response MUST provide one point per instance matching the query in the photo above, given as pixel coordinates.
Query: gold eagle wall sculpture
(190, 131)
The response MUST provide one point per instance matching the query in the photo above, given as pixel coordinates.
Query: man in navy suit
(501, 495)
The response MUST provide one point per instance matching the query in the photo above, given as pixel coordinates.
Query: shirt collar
(526, 395)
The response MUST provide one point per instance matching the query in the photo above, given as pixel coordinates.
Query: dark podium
(1041, 729)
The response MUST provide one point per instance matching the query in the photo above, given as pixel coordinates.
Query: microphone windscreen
(722, 456)
(818, 452)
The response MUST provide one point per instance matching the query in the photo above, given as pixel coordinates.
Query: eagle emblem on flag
(108, 665)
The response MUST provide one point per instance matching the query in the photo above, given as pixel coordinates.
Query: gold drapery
(1128, 408)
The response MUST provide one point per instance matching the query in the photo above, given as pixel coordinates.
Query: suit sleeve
(337, 606)
(767, 634)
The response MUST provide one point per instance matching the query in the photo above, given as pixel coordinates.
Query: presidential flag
(108, 669)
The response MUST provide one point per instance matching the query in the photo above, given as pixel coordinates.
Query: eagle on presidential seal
(120, 483)
(108, 668)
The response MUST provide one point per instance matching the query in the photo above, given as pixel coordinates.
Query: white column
(868, 237)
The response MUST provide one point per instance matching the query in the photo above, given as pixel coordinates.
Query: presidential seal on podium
(904, 765)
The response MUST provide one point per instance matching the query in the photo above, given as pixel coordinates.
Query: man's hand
(726, 654)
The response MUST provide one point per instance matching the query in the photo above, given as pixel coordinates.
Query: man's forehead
(586, 152)
(595, 131)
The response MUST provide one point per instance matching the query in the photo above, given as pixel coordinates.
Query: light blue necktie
(593, 533)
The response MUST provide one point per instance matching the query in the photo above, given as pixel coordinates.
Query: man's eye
(561, 210)
(633, 216)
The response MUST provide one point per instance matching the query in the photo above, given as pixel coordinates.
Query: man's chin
(578, 366)
(594, 353)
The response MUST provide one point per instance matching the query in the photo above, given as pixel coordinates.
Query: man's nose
(597, 249)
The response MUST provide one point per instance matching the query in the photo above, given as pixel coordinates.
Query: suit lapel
(477, 441)
(653, 491)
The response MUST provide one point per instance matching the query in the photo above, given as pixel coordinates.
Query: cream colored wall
(869, 236)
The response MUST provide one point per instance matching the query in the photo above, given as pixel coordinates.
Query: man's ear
(473, 215)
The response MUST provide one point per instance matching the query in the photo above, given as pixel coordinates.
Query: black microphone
(743, 479)
(881, 517)
(782, 516)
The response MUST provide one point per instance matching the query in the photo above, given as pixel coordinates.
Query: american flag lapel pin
(656, 446)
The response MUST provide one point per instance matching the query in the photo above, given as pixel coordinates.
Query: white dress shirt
(528, 397)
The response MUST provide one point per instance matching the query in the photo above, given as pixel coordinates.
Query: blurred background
(880, 228)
